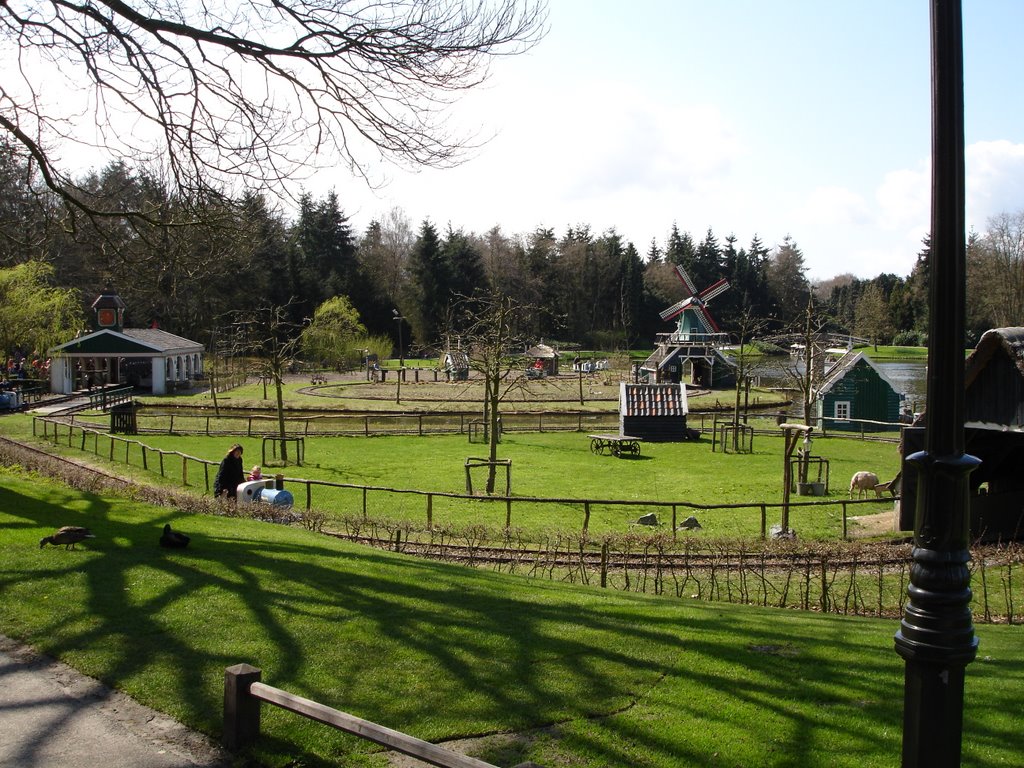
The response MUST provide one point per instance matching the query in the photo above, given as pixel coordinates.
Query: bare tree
(492, 326)
(268, 334)
(746, 367)
(252, 92)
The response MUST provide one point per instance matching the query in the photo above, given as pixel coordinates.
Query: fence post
(241, 710)
(508, 512)
(364, 503)
(604, 564)
(430, 511)
(161, 453)
(586, 515)
(184, 470)
(309, 495)
(844, 519)
(764, 522)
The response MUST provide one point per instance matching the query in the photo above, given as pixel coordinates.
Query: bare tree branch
(255, 93)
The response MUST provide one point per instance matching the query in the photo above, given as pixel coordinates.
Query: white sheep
(864, 482)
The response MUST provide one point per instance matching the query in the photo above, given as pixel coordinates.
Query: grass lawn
(589, 677)
(548, 465)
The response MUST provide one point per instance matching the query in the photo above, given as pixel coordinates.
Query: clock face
(106, 317)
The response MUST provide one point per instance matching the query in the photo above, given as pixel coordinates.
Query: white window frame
(842, 410)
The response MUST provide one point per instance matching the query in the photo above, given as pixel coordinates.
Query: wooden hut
(654, 412)
(854, 393)
(993, 432)
(541, 360)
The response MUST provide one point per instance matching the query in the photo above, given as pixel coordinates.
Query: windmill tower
(692, 311)
(696, 343)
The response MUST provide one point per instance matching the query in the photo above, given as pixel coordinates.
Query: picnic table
(616, 445)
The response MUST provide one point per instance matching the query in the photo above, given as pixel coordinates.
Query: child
(256, 474)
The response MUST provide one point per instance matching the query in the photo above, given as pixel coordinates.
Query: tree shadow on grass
(444, 652)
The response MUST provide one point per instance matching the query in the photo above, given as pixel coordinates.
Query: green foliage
(35, 315)
(441, 651)
(335, 334)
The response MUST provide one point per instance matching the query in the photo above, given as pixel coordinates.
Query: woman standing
(230, 473)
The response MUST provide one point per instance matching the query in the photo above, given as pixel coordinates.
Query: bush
(908, 339)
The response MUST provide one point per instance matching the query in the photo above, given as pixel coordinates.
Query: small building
(143, 357)
(654, 412)
(855, 393)
(541, 360)
(455, 364)
(993, 432)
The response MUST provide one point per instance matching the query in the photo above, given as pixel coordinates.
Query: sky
(798, 117)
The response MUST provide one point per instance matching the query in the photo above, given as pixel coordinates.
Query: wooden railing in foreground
(243, 693)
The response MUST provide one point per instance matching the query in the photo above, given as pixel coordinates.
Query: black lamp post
(401, 354)
(936, 637)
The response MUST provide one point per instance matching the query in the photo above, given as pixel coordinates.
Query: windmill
(692, 311)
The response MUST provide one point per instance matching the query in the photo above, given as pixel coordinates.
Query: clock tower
(109, 309)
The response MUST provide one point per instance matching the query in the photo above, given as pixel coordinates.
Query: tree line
(193, 260)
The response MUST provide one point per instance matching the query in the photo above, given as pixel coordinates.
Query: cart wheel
(595, 446)
(633, 448)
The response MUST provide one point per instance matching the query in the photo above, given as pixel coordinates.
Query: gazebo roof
(129, 342)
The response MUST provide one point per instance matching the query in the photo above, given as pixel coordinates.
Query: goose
(173, 539)
(69, 535)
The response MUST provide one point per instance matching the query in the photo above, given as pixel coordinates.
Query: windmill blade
(705, 319)
(686, 280)
(675, 309)
(715, 290)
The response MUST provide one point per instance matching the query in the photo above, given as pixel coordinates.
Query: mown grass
(891, 353)
(546, 465)
(589, 677)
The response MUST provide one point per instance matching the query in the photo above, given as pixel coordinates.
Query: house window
(843, 409)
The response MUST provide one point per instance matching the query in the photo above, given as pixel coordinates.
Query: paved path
(54, 717)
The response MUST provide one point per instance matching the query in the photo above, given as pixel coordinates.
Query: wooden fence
(338, 497)
(243, 693)
(327, 425)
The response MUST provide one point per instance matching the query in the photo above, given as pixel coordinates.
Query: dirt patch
(870, 526)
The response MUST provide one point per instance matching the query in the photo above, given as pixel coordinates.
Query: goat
(864, 482)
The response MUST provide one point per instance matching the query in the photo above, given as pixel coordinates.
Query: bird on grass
(173, 539)
(69, 535)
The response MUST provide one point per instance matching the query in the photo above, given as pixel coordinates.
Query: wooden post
(241, 710)
(604, 564)
(508, 512)
(184, 470)
(309, 495)
(844, 519)
(764, 521)
(586, 515)
(430, 511)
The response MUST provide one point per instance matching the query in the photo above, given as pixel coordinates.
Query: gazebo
(143, 357)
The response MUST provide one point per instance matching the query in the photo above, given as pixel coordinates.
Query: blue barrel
(280, 498)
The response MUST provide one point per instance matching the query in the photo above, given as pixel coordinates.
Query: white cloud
(995, 180)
